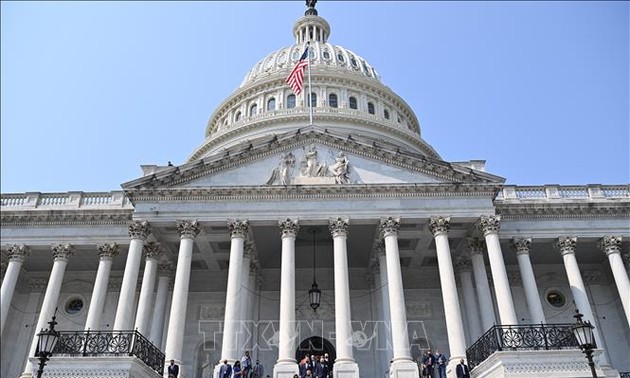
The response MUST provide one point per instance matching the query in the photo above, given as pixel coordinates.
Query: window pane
(370, 108)
(332, 100)
(237, 117)
(313, 99)
(271, 104)
(386, 113)
(291, 101)
(353, 103)
(253, 109)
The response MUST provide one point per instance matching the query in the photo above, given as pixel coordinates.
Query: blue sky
(92, 90)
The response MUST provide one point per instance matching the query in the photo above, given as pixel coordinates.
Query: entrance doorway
(317, 346)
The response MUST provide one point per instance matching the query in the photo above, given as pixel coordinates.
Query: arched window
(313, 99)
(237, 117)
(353, 102)
(252, 110)
(291, 101)
(271, 104)
(370, 108)
(386, 114)
(332, 100)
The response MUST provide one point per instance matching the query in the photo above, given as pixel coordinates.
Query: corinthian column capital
(338, 226)
(188, 229)
(521, 245)
(475, 246)
(565, 244)
(152, 250)
(238, 228)
(139, 230)
(62, 251)
(107, 251)
(489, 224)
(610, 244)
(463, 264)
(389, 226)
(17, 252)
(439, 225)
(288, 227)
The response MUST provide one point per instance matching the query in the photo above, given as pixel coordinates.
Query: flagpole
(310, 92)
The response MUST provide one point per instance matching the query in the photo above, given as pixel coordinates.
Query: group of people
(433, 365)
(242, 369)
(315, 367)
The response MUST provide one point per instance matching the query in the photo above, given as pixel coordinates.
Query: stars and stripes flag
(296, 77)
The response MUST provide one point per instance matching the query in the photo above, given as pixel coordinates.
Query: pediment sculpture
(312, 170)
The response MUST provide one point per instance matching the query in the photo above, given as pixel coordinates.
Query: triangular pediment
(312, 158)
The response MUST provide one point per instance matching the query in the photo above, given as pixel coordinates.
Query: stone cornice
(296, 192)
(591, 209)
(66, 218)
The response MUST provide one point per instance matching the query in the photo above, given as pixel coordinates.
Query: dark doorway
(317, 346)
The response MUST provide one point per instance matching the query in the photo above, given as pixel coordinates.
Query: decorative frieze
(521, 245)
(238, 228)
(188, 229)
(62, 251)
(288, 227)
(152, 250)
(107, 251)
(565, 244)
(139, 229)
(389, 226)
(439, 225)
(338, 226)
(610, 244)
(489, 224)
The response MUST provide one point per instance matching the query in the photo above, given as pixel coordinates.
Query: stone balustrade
(590, 192)
(64, 201)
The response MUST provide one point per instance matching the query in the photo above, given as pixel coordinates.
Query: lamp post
(314, 294)
(46, 344)
(583, 332)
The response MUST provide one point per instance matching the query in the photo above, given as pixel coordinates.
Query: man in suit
(226, 370)
(462, 370)
(258, 370)
(173, 370)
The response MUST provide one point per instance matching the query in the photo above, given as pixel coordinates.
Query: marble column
(61, 253)
(439, 227)
(382, 274)
(522, 247)
(464, 269)
(145, 306)
(106, 254)
(566, 246)
(488, 319)
(165, 271)
(16, 255)
(138, 231)
(244, 299)
(286, 366)
(402, 366)
(344, 364)
(238, 233)
(188, 231)
(489, 225)
(611, 246)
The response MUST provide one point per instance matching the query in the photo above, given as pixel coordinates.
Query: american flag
(296, 77)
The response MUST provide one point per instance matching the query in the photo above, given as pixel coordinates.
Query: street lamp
(583, 332)
(314, 294)
(46, 344)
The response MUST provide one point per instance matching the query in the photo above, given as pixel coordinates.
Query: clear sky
(92, 90)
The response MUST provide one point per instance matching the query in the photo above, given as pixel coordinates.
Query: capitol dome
(348, 96)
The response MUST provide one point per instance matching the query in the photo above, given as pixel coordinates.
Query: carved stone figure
(310, 165)
(341, 169)
(282, 174)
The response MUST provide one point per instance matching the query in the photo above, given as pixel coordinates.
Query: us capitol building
(347, 235)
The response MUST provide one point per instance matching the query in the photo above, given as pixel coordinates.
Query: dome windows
(371, 108)
(352, 101)
(386, 113)
(313, 99)
(291, 101)
(271, 104)
(354, 63)
(326, 55)
(341, 59)
(253, 110)
(237, 117)
(332, 100)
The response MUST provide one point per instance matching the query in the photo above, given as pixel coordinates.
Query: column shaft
(244, 301)
(146, 296)
(287, 301)
(382, 268)
(343, 327)
(188, 230)
(157, 324)
(522, 247)
(488, 318)
(126, 301)
(454, 327)
(611, 246)
(472, 311)
(16, 254)
(97, 302)
(507, 313)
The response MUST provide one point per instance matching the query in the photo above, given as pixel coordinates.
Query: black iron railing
(521, 337)
(624, 374)
(110, 343)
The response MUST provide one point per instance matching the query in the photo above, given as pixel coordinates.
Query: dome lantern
(311, 27)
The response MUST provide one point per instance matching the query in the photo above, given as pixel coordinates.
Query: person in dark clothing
(173, 370)
(462, 370)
